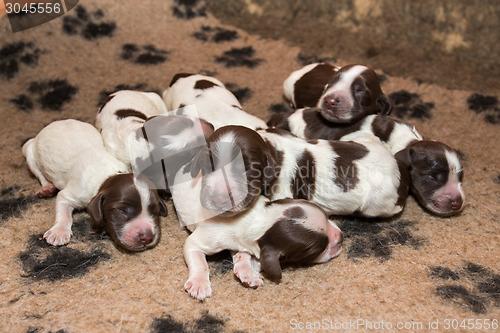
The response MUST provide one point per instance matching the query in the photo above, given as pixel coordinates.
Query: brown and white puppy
(69, 156)
(121, 114)
(340, 95)
(435, 170)
(209, 99)
(267, 235)
(357, 177)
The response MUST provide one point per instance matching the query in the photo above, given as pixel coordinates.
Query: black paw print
(241, 94)
(14, 54)
(366, 239)
(12, 204)
(486, 290)
(83, 24)
(42, 261)
(306, 60)
(51, 95)
(144, 55)
(188, 9)
(239, 57)
(206, 323)
(280, 108)
(215, 34)
(486, 105)
(410, 105)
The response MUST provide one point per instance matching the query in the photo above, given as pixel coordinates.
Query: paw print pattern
(144, 55)
(486, 105)
(365, 239)
(279, 108)
(42, 261)
(88, 25)
(188, 9)
(12, 204)
(215, 34)
(51, 95)
(241, 94)
(206, 323)
(306, 60)
(239, 57)
(409, 105)
(484, 293)
(13, 55)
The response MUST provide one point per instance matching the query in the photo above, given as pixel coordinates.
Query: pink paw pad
(47, 191)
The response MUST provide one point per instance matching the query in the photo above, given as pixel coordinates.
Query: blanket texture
(413, 272)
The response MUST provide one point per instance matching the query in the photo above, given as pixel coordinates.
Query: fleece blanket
(413, 272)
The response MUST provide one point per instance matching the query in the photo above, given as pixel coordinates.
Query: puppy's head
(128, 209)
(302, 234)
(436, 176)
(353, 93)
(236, 166)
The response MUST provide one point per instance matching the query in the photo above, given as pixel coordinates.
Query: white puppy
(69, 156)
(212, 101)
(121, 114)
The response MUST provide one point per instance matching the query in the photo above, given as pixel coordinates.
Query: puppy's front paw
(198, 288)
(58, 235)
(249, 276)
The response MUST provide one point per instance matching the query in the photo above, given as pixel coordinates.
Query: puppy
(121, 114)
(268, 234)
(69, 156)
(358, 177)
(212, 101)
(435, 170)
(341, 95)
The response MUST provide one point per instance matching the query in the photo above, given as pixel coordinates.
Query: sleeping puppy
(212, 101)
(69, 156)
(268, 234)
(358, 177)
(435, 170)
(340, 95)
(121, 114)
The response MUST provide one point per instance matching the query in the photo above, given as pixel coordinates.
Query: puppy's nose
(145, 237)
(331, 101)
(456, 202)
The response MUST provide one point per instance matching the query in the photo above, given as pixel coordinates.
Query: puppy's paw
(248, 276)
(198, 288)
(47, 191)
(58, 235)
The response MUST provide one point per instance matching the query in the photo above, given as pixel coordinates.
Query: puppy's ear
(200, 162)
(384, 105)
(271, 169)
(270, 262)
(94, 208)
(163, 208)
(405, 156)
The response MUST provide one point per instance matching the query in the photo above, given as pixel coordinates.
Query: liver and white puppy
(268, 234)
(340, 95)
(69, 156)
(121, 114)
(435, 170)
(343, 178)
(212, 101)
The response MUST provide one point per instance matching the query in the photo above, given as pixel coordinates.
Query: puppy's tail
(27, 146)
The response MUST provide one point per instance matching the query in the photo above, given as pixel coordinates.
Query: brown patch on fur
(110, 97)
(346, 176)
(404, 184)
(382, 127)
(318, 127)
(308, 89)
(303, 185)
(177, 77)
(295, 212)
(124, 113)
(204, 84)
(289, 242)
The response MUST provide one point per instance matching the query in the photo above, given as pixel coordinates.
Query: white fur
(212, 234)
(115, 131)
(374, 195)
(216, 105)
(70, 155)
(343, 86)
